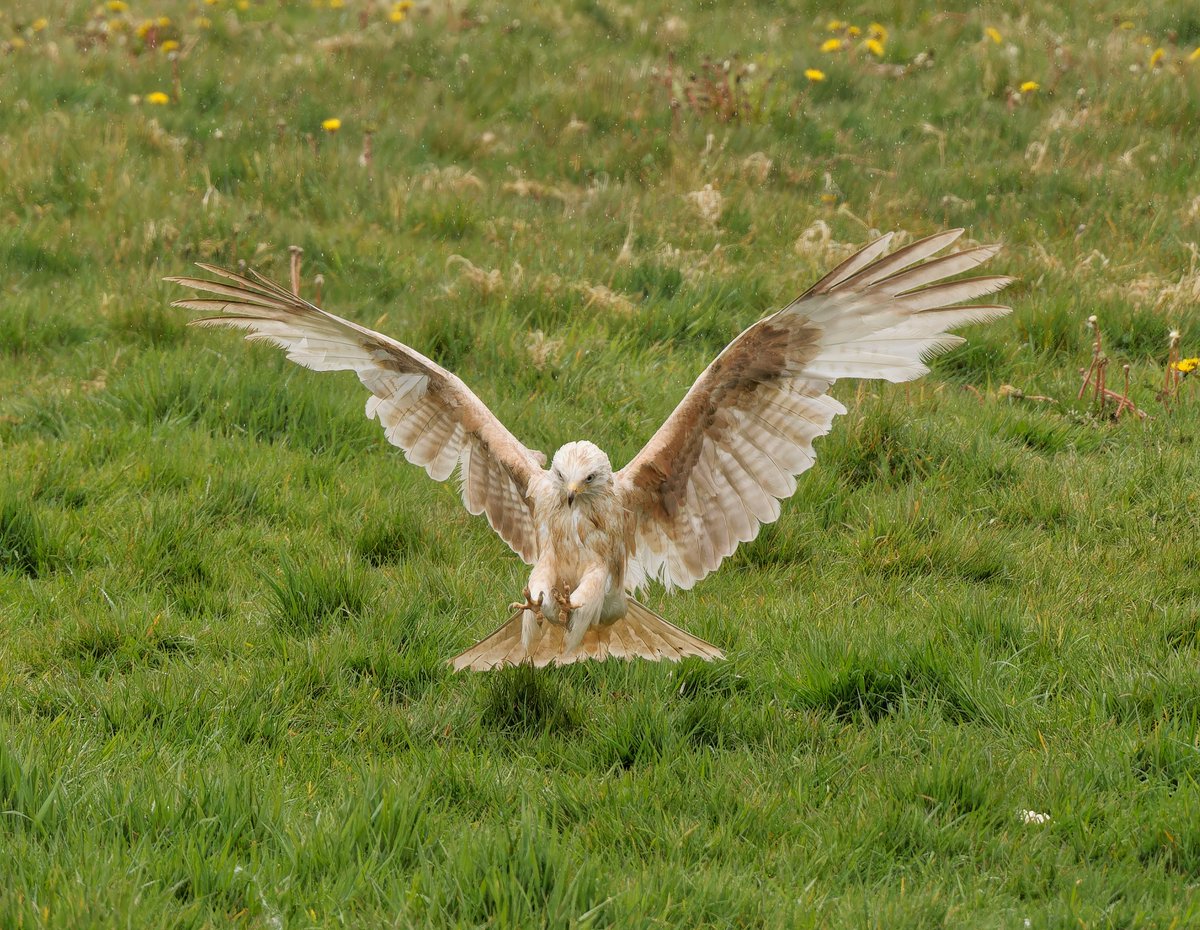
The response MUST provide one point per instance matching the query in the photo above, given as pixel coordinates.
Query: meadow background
(226, 602)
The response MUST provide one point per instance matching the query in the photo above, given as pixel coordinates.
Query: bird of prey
(714, 472)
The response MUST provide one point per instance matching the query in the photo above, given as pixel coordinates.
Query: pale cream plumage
(708, 479)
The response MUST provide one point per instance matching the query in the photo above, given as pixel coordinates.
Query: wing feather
(891, 266)
(731, 451)
(424, 409)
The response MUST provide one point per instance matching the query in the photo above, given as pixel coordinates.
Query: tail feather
(640, 634)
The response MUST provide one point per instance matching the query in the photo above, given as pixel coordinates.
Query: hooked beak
(572, 490)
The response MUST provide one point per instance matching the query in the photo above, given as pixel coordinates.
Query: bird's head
(580, 470)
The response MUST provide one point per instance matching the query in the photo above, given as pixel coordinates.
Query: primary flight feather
(714, 472)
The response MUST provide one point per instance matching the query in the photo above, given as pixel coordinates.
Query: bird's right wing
(427, 411)
(719, 466)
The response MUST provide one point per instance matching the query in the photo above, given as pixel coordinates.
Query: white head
(580, 470)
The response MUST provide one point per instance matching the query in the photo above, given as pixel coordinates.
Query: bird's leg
(530, 604)
(563, 599)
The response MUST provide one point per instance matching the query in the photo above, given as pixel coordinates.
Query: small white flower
(1034, 817)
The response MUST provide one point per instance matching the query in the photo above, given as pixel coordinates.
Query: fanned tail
(640, 634)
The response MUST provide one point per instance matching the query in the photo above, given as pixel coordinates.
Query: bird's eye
(591, 477)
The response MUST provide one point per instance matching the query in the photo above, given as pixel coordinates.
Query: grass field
(226, 602)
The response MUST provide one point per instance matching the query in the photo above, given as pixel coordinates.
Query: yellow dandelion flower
(1030, 86)
(163, 22)
(397, 15)
(243, 5)
(39, 24)
(202, 22)
(993, 33)
(16, 42)
(1156, 57)
(211, 2)
(875, 47)
(853, 32)
(1127, 25)
(835, 25)
(1186, 365)
(1195, 56)
(117, 6)
(814, 74)
(829, 198)
(831, 45)
(158, 98)
(336, 4)
(877, 31)
(333, 124)
(170, 46)
(144, 27)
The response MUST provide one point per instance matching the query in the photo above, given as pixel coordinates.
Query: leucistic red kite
(713, 474)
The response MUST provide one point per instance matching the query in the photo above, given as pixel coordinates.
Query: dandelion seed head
(708, 203)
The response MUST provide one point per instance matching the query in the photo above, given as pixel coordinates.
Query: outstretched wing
(730, 452)
(427, 411)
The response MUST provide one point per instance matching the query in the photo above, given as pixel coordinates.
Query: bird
(713, 474)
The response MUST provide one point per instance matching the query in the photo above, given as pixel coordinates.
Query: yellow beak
(572, 490)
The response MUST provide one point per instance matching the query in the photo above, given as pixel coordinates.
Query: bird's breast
(582, 536)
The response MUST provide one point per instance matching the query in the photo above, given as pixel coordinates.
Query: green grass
(226, 602)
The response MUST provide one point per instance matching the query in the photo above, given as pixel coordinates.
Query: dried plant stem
(1171, 377)
(367, 155)
(296, 253)
(1097, 359)
(1124, 402)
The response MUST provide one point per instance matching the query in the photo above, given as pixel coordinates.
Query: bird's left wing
(731, 451)
(427, 411)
